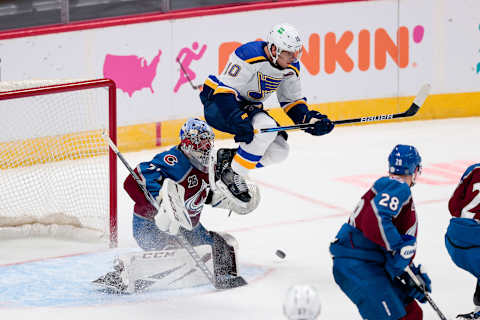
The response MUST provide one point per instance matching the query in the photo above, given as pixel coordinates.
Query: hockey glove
(397, 261)
(322, 125)
(242, 126)
(413, 290)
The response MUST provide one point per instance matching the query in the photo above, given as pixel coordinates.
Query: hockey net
(57, 174)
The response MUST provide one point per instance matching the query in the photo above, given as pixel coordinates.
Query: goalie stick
(427, 296)
(224, 283)
(414, 107)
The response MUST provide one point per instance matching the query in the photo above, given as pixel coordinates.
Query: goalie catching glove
(218, 199)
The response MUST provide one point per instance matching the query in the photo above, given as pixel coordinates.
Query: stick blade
(419, 100)
(422, 95)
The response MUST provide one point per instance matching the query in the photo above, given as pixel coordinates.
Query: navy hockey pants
(463, 244)
(370, 288)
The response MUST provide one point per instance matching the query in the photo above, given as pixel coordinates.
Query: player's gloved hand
(243, 126)
(396, 262)
(413, 290)
(322, 125)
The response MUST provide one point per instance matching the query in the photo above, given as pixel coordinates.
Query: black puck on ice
(280, 254)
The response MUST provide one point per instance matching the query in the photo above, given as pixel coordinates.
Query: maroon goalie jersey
(172, 164)
(465, 201)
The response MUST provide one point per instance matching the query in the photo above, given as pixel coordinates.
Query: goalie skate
(111, 283)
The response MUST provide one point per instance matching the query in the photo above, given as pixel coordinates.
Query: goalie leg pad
(164, 269)
(224, 258)
(225, 265)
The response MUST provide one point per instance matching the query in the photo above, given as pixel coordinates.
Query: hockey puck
(280, 254)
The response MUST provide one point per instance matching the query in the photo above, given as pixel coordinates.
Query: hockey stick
(414, 107)
(194, 87)
(427, 296)
(234, 281)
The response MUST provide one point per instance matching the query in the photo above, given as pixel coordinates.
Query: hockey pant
(149, 237)
(376, 296)
(265, 148)
(463, 244)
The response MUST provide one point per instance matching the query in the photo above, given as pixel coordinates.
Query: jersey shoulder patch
(173, 163)
(393, 187)
(252, 52)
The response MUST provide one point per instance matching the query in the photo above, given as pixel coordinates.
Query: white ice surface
(304, 202)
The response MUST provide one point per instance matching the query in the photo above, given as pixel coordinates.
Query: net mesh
(54, 164)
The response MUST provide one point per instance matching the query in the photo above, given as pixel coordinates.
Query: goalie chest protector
(175, 165)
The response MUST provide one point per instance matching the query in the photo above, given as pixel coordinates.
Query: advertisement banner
(353, 51)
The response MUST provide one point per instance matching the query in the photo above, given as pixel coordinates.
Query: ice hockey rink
(305, 200)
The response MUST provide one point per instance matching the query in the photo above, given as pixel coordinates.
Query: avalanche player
(371, 251)
(463, 234)
(233, 103)
(185, 168)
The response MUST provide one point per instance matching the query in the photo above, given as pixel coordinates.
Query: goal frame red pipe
(112, 112)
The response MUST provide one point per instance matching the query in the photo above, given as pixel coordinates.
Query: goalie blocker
(174, 269)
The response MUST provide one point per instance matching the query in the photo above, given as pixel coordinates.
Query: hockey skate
(229, 180)
(471, 315)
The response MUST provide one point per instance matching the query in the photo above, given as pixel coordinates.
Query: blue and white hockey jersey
(251, 78)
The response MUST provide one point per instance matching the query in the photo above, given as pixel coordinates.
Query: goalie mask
(196, 142)
(285, 38)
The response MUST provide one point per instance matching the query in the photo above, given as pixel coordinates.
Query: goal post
(58, 177)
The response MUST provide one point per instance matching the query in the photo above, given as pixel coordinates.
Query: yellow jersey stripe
(211, 84)
(220, 89)
(255, 59)
(289, 106)
(294, 69)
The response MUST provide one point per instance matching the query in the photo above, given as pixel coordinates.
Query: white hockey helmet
(285, 37)
(302, 303)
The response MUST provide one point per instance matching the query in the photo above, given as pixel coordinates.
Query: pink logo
(186, 74)
(131, 73)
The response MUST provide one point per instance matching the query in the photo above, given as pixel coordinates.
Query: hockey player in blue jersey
(463, 234)
(181, 172)
(233, 103)
(372, 250)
